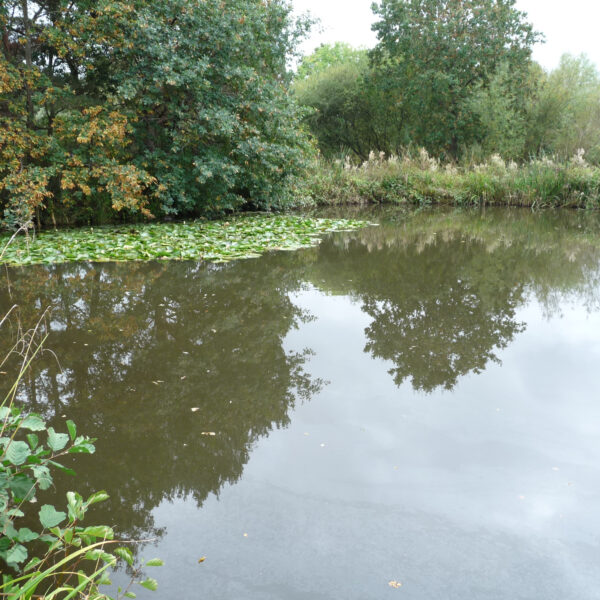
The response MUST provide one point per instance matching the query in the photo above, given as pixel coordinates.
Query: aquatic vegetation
(217, 241)
(423, 180)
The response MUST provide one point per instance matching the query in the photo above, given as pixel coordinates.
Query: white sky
(569, 25)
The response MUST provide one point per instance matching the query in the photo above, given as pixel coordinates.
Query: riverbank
(422, 180)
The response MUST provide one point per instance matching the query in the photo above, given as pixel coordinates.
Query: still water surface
(417, 402)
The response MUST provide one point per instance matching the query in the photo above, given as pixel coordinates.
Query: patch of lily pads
(214, 241)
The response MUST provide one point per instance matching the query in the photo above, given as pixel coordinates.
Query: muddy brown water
(417, 403)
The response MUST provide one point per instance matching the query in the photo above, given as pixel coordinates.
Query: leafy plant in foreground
(56, 556)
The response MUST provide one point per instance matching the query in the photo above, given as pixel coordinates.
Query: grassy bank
(216, 241)
(422, 180)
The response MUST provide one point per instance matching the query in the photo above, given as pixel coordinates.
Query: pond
(408, 411)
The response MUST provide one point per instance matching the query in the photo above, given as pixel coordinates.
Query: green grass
(423, 181)
(216, 241)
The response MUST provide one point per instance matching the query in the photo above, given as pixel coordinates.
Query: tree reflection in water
(143, 345)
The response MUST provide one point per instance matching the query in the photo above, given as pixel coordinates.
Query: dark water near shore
(416, 402)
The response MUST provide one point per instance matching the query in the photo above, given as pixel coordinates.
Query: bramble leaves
(17, 453)
(57, 441)
(50, 517)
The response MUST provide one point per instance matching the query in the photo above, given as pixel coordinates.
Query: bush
(421, 179)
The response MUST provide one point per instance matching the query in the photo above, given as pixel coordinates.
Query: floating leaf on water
(201, 560)
(244, 237)
(395, 584)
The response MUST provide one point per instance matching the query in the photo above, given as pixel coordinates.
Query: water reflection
(153, 358)
(443, 289)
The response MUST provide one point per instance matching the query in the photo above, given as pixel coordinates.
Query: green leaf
(99, 531)
(26, 535)
(75, 505)
(150, 584)
(130, 595)
(32, 563)
(62, 468)
(22, 486)
(72, 430)
(42, 476)
(16, 555)
(100, 555)
(125, 554)
(33, 423)
(97, 497)
(32, 440)
(50, 517)
(155, 562)
(17, 453)
(57, 441)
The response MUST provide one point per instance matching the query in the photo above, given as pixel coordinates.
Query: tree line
(132, 108)
(455, 77)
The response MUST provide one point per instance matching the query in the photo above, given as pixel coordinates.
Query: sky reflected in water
(416, 402)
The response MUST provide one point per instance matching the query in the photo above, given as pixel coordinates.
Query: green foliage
(350, 112)
(76, 559)
(564, 112)
(448, 76)
(53, 554)
(330, 55)
(176, 107)
(217, 241)
(434, 53)
(423, 180)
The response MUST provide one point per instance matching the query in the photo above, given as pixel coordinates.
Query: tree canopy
(173, 107)
(446, 75)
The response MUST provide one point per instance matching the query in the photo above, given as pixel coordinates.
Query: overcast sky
(569, 26)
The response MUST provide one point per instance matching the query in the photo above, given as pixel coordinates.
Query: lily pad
(214, 241)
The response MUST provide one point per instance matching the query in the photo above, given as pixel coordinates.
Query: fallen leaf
(211, 433)
(201, 560)
(395, 584)
(195, 409)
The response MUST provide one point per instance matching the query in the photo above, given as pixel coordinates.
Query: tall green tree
(435, 53)
(178, 107)
(333, 83)
(564, 113)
